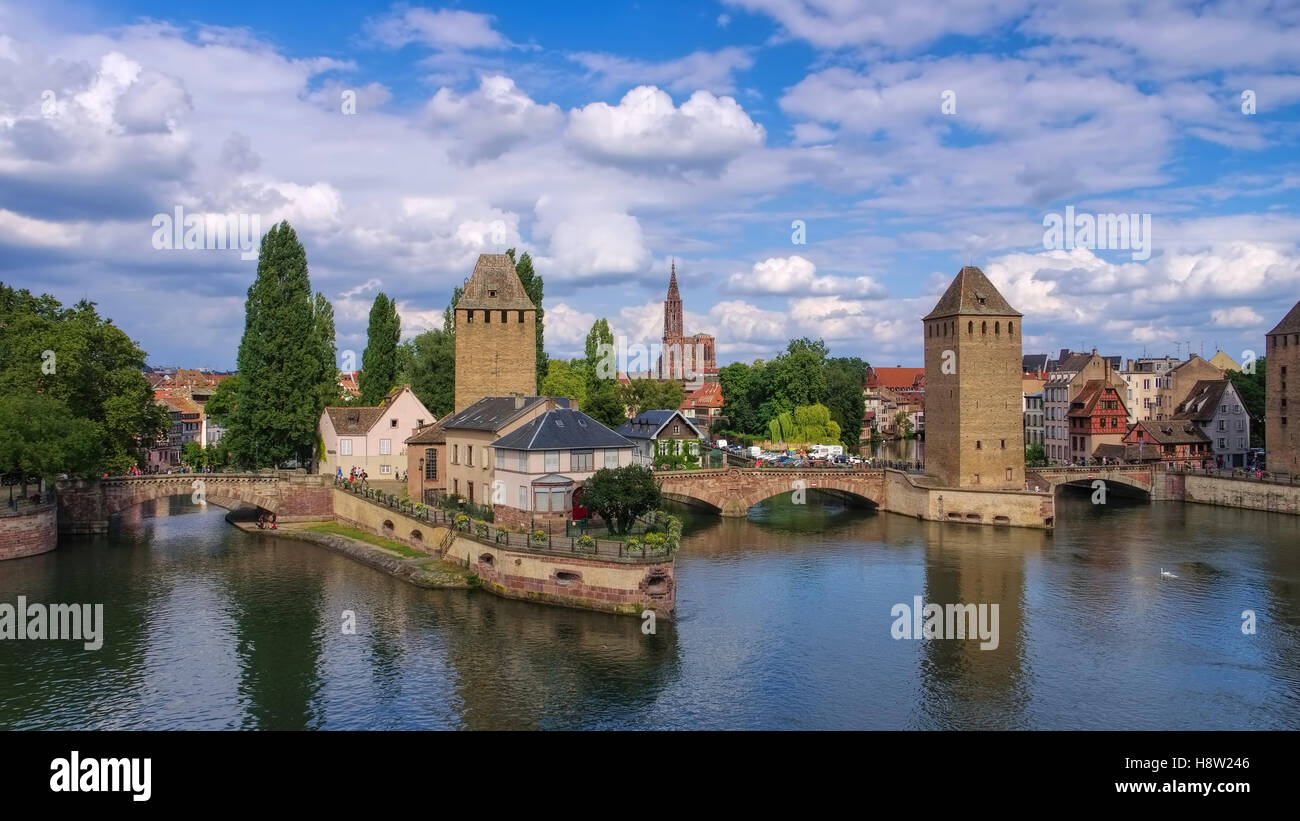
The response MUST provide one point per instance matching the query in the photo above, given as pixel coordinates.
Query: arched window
(984, 328)
(997, 328)
(1011, 328)
(970, 328)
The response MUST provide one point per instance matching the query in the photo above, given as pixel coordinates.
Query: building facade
(468, 437)
(371, 438)
(1033, 418)
(656, 433)
(1063, 386)
(1097, 417)
(1216, 407)
(1281, 394)
(974, 423)
(1178, 381)
(496, 341)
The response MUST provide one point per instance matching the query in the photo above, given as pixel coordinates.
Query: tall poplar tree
(533, 287)
(379, 365)
(281, 385)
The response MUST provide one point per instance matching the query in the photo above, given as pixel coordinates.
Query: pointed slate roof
(971, 292)
(494, 284)
(1290, 323)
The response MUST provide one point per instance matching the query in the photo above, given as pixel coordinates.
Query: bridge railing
(538, 541)
(1242, 474)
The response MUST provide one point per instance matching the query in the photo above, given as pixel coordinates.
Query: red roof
(709, 395)
(896, 378)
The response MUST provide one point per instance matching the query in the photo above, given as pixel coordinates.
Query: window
(455, 487)
(1011, 329)
(345, 447)
(1223, 424)
(430, 463)
(469, 492)
(469, 317)
(984, 329)
(501, 459)
(491, 292)
(1009, 473)
(1004, 444)
(523, 461)
(419, 423)
(521, 317)
(552, 461)
(580, 460)
(541, 501)
(503, 317)
(611, 458)
(392, 423)
(385, 469)
(385, 447)
(487, 317)
(455, 454)
(469, 455)
(557, 500)
(677, 428)
(970, 328)
(523, 498)
(1222, 443)
(978, 446)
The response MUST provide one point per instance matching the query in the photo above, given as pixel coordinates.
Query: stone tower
(974, 420)
(1282, 394)
(496, 344)
(673, 309)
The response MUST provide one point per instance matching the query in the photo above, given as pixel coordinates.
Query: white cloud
(491, 120)
(710, 70)
(440, 28)
(646, 129)
(1240, 316)
(796, 275)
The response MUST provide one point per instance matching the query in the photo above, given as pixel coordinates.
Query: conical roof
(494, 284)
(971, 292)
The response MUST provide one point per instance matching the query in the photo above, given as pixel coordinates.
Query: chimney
(519, 401)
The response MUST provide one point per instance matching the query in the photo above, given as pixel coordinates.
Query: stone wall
(1014, 508)
(28, 531)
(1244, 493)
(494, 358)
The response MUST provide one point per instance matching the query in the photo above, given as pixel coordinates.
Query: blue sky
(608, 141)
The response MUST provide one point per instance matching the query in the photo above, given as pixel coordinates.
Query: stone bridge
(85, 505)
(732, 491)
(1148, 480)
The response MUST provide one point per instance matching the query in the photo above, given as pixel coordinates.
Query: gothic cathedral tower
(974, 418)
(496, 342)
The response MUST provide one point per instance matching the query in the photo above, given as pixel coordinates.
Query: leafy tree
(194, 455)
(844, 379)
(565, 379)
(808, 425)
(739, 383)
(798, 377)
(533, 287)
(904, 423)
(83, 360)
(1250, 386)
(279, 404)
(605, 404)
(429, 367)
(216, 455)
(221, 405)
(1035, 455)
(323, 352)
(379, 360)
(41, 437)
(652, 394)
(620, 495)
(600, 334)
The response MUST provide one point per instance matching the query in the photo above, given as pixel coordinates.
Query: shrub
(462, 522)
(481, 527)
(540, 536)
(632, 545)
(585, 544)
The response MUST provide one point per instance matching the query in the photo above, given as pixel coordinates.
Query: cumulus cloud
(645, 129)
(489, 121)
(796, 275)
(1239, 316)
(710, 70)
(438, 28)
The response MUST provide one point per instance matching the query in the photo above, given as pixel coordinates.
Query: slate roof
(561, 429)
(649, 424)
(493, 412)
(1033, 362)
(494, 284)
(1290, 323)
(971, 292)
(1202, 400)
(428, 435)
(1170, 432)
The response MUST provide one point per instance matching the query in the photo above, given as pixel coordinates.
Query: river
(784, 622)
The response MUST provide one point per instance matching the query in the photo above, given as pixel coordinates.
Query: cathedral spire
(673, 308)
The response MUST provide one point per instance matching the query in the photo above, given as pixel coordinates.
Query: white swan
(1166, 574)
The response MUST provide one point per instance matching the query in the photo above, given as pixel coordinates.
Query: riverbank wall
(28, 530)
(624, 585)
(905, 495)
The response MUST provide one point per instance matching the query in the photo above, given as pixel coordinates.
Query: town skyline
(723, 144)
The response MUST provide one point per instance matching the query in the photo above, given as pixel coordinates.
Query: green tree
(806, 425)
(565, 379)
(620, 495)
(429, 367)
(41, 437)
(533, 287)
(1035, 455)
(275, 415)
(605, 404)
(844, 379)
(76, 356)
(1250, 386)
(324, 352)
(600, 334)
(904, 424)
(194, 455)
(379, 360)
(739, 382)
(652, 394)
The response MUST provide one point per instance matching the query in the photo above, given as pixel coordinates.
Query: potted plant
(481, 528)
(462, 522)
(540, 537)
(632, 545)
(586, 544)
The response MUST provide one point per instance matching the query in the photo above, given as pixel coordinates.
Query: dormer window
(491, 292)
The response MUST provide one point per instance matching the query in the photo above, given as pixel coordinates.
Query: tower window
(503, 317)
(984, 328)
(970, 328)
(492, 293)
(1004, 444)
(997, 328)
(1011, 328)
(487, 317)
(979, 445)
(521, 317)
(469, 317)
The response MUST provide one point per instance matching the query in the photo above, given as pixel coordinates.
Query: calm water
(784, 622)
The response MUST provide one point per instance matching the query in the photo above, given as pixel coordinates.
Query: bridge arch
(732, 492)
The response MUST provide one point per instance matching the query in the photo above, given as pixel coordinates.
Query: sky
(814, 168)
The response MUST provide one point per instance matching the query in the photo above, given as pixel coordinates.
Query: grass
(362, 536)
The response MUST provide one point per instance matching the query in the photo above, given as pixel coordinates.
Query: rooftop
(971, 292)
(561, 429)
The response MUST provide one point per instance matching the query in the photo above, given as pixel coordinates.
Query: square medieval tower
(974, 420)
(1282, 394)
(496, 342)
